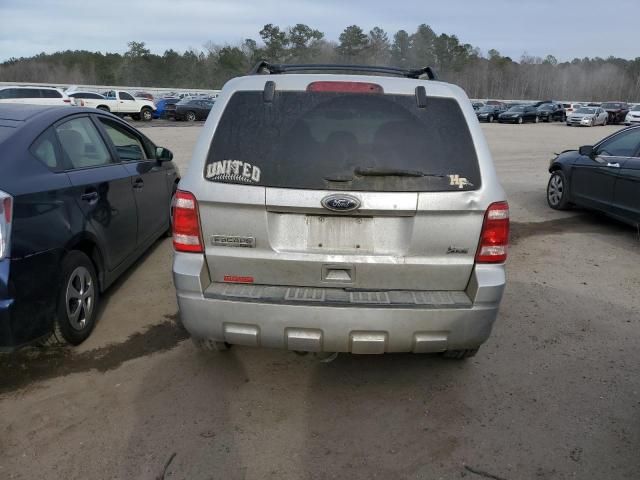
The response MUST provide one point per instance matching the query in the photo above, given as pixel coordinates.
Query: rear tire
(78, 301)
(537, 119)
(557, 189)
(520, 120)
(169, 232)
(460, 354)
(490, 119)
(146, 114)
(190, 116)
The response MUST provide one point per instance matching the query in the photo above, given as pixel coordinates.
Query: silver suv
(341, 213)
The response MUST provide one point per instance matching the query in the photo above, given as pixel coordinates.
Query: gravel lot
(554, 394)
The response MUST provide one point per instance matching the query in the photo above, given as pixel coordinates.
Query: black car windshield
(487, 109)
(546, 107)
(611, 105)
(517, 109)
(586, 110)
(343, 141)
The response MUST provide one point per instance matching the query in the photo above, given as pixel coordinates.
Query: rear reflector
(346, 87)
(186, 223)
(66, 100)
(237, 279)
(494, 239)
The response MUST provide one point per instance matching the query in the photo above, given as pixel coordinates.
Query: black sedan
(82, 196)
(520, 114)
(489, 113)
(551, 112)
(602, 177)
(193, 109)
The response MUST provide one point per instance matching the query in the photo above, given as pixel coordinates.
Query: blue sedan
(82, 196)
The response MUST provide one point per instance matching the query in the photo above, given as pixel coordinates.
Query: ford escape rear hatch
(342, 187)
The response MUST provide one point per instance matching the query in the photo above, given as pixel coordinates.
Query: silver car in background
(588, 117)
(633, 117)
(341, 213)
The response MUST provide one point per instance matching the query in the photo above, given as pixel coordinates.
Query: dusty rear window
(343, 141)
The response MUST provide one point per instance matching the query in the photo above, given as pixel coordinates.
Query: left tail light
(186, 224)
(6, 217)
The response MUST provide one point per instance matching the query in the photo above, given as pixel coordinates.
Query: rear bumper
(337, 328)
(29, 289)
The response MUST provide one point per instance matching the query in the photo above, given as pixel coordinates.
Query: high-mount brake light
(494, 239)
(345, 87)
(186, 224)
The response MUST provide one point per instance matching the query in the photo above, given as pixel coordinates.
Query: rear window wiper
(380, 172)
(393, 172)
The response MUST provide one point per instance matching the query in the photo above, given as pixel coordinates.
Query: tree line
(490, 75)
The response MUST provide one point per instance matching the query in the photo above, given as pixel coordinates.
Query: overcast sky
(563, 28)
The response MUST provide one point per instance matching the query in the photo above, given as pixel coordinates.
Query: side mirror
(587, 151)
(163, 154)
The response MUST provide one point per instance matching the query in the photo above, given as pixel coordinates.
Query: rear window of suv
(343, 141)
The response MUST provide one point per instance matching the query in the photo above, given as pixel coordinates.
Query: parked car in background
(633, 116)
(588, 117)
(34, 96)
(617, 111)
(123, 103)
(602, 177)
(193, 109)
(329, 213)
(144, 95)
(551, 112)
(594, 104)
(520, 114)
(82, 196)
(477, 105)
(89, 99)
(569, 108)
(490, 113)
(162, 105)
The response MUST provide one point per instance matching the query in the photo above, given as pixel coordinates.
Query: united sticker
(233, 171)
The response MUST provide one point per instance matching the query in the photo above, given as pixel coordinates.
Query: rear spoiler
(265, 68)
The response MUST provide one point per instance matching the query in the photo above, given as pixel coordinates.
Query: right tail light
(494, 239)
(186, 224)
(6, 216)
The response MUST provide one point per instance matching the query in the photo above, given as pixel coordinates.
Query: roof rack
(265, 68)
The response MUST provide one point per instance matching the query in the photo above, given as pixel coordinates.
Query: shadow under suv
(341, 213)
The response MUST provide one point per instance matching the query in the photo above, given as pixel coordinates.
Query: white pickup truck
(118, 102)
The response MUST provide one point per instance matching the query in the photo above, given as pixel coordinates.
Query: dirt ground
(553, 394)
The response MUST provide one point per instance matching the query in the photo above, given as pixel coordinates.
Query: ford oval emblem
(341, 203)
